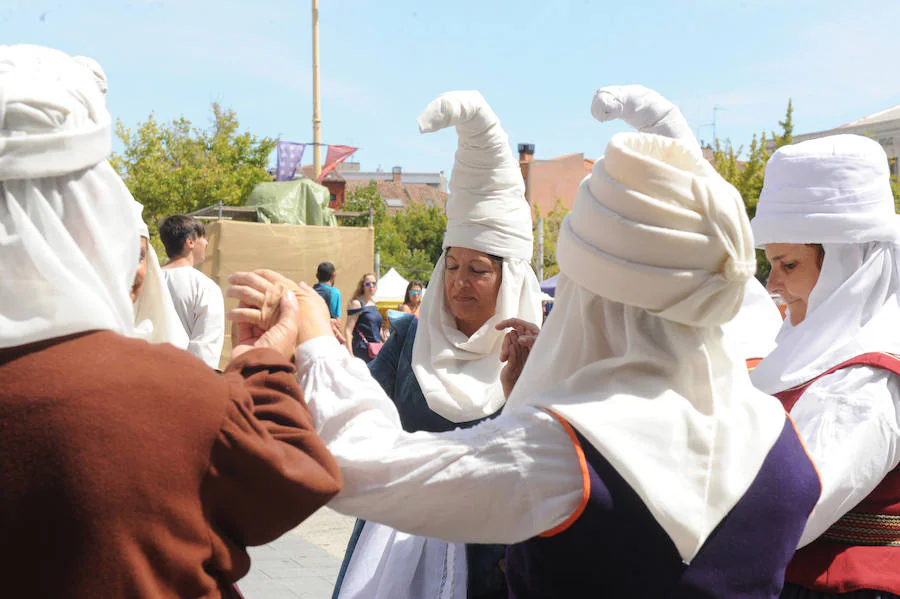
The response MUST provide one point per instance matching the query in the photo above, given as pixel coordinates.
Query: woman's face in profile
(795, 271)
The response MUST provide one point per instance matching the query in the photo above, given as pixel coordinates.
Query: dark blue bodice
(617, 549)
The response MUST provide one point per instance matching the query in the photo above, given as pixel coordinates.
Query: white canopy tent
(391, 287)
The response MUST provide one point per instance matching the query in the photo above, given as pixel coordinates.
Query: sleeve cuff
(319, 348)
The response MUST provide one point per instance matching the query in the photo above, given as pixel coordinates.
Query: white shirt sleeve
(208, 332)
(502, 481)
(850, 424)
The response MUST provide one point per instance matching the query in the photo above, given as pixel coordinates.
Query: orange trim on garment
(753, 363)
(803, 445)
(585, 479)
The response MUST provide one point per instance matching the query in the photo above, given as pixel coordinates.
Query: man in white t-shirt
(198, 300)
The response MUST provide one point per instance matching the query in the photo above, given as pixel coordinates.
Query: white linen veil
(155, 318)
(67, 232)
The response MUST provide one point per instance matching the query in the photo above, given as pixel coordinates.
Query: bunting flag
(335, 156)
(289, 156)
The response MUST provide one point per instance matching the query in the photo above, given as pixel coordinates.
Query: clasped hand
(274, 312)
(516, 347)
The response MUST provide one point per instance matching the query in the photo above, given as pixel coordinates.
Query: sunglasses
(416, 292)
(370, 284)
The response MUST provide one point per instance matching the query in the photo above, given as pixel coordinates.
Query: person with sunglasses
(363, 331)
(412, 299)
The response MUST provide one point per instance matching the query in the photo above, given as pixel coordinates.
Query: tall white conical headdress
(487, 210)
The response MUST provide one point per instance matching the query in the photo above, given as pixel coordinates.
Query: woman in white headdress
(155, 318)
(634, 458)
(443, 370)
(826, 220)
(128, 469)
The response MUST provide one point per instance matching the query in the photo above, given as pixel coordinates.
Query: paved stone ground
(302, 564)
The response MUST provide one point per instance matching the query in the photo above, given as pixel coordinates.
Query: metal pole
(378, 265)
(540, 249)
(317, 120)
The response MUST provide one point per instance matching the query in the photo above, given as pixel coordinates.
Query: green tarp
(298, 202)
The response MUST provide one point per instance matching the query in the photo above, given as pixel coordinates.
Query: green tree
(552, 223)
(410, 241)
(177, 168)
(746, 170)
(364, 199)
(787, 127)
(895, 187)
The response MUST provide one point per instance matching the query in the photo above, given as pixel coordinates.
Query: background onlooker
(198, 300)
(325, 275)
(363, 331)
(412, 299)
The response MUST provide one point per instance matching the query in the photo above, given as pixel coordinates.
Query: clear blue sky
(537, 63)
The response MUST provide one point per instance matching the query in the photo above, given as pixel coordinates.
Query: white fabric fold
(389, 564)
(53, 111)
(752, 333)
(486, 210)
(67, 231)
(155, 318)
(644, 109)
(621, 240)
(654, 257)
(834, 189)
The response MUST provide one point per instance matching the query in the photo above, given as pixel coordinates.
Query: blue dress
(367, 330)
(393, 371)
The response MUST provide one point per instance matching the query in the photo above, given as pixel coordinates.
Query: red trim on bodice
(831, 566)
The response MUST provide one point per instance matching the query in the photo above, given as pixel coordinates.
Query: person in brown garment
(126, 469)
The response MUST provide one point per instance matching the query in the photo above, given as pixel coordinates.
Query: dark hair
(497, 260)
(175, 230)
(324, 272)
(820, 253)
(413, 283)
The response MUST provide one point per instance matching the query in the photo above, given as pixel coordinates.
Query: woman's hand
(275, 312)
(516, 347)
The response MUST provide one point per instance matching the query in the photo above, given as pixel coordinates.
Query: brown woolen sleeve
(269, 470)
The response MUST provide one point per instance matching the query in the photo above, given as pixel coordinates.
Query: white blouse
(850, 423)
(502, 481)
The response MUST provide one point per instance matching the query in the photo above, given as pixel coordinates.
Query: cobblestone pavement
(303, 563)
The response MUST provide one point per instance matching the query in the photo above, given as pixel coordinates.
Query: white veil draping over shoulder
(68, 237)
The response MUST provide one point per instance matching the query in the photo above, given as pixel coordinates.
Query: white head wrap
(155, 318)
(654, 258)
(67, 229)
(487, 211)
(751, 333)
(834, 191)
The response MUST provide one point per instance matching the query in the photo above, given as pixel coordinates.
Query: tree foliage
(551, 224)
(410, 241)
(745, 170)
(175, 168)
